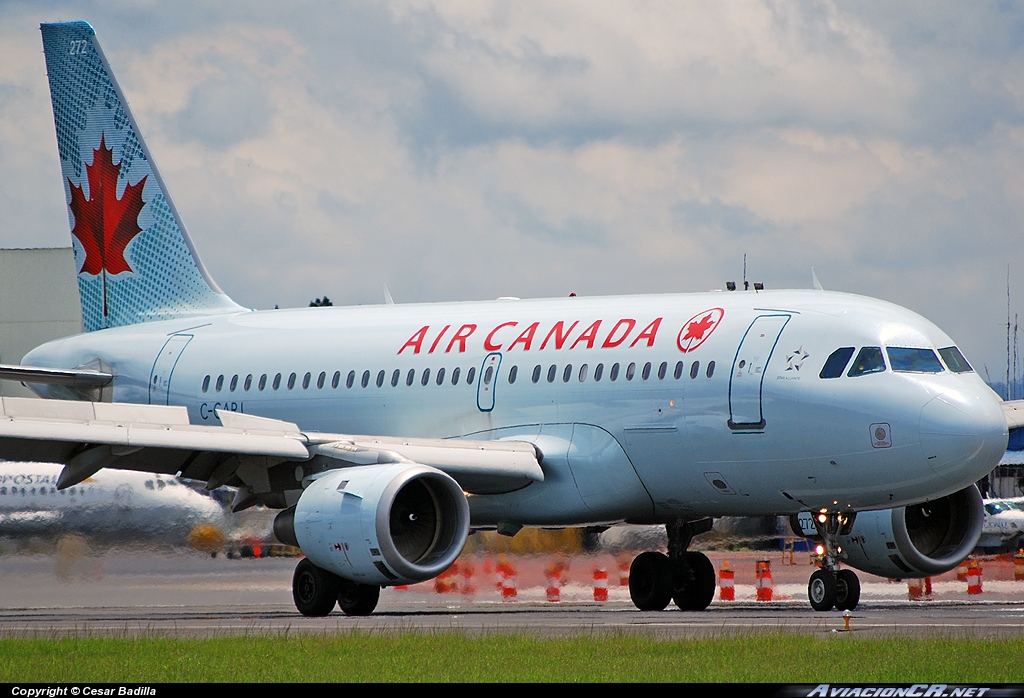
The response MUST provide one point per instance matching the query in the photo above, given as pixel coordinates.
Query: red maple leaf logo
(105, 224)
(698, 328)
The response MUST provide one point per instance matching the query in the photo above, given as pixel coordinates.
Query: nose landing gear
(831, 587)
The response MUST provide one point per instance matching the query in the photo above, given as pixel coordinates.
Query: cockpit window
(909, 360)
(869, 360)
(954, 360)
(835, 364)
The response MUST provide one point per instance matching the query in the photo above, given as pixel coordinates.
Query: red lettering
(650, 332)
(610, 341)
(487, 340)
(526, 337)
(434, 345)
(416, 341)
(589, 335)
(556, 331)
(461, 336)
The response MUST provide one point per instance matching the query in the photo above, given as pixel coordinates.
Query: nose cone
(962, 435)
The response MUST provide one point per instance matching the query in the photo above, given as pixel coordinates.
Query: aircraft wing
(1014, 411)
(87, 436)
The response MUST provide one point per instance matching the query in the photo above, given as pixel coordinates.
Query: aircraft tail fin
(136, 262)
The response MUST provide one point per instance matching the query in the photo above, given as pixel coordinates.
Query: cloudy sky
(468, 150)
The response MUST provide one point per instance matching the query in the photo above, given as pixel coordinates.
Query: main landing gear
(315, 591)
(831, 587)
(687, 578)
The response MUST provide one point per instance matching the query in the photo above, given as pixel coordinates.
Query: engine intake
(916, 541)
(380, 524)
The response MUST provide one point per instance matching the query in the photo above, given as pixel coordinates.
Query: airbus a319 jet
(386, 434)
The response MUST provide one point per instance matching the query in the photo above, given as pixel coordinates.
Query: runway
(186, 593)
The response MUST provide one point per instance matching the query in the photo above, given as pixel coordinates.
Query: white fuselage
(716, 408)
(111, 506)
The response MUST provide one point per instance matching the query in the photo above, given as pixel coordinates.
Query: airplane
(386, 434)
(1003, 530)
(108, 507)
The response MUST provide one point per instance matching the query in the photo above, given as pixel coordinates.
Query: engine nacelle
(916, 541)
(380, 524)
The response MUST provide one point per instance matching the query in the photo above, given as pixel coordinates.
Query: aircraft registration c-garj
(386, 434)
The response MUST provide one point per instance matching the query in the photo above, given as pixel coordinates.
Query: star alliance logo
(796, 359)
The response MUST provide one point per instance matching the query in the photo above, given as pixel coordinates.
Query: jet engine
(916, 541)
(379, 524)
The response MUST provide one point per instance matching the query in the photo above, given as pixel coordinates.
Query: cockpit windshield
(954, 360)
(912, 360)
(835, 364)
(869, 360)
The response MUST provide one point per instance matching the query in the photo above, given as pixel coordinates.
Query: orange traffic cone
(726, 583)
(974, 578)
(764, 580)
(600, 584)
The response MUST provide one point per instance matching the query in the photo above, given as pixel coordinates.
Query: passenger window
(455, 375)
(694, 369)
(336, 380)
(351, 380)
(206, 384)
(263, 382)
(614, 372)
(291, 381)
(869, 360)
(598, 371)
(909, 360)
(380, 378)
(512, 373)
(567, 373)
(488, 375)
(248, 383)
(471, 375)
(234, 383)
(583, 373)
(711, 369)
(646, 373)
(836, 363)
(536, 373)
(366, 379)
(662, 370)
(220, 383)
(277, 381)
(440, 376)
(305, 380)
(321, 379)
(552, 370)
(396, 376)
(425, 376)
(630, 371)
(410, 377)
(955, 361)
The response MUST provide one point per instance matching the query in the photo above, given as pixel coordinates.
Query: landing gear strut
(315, 591)
(831, 587)
(688, 578)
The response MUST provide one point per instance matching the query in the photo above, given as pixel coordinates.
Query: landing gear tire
(694, 582)
(357, 599)
(821, 590)
(315, 591)
(847, 590)
(651, 581)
